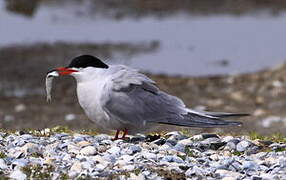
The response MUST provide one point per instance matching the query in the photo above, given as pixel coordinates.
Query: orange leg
(116, 135)
(125, 132)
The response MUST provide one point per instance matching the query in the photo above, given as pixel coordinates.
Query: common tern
(117, 97)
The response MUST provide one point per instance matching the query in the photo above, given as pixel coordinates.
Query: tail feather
(226, 115)
(199, 120)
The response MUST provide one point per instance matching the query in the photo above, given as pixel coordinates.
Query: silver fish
(49, 82)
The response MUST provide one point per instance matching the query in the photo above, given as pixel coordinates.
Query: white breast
(89, 94)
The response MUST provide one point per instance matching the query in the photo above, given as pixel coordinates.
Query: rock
(206, 136)
(76, 167)
(225, 173)
(214, 157)
(159, 141)
(232, 143)
(101, 148)
(101, 137)
(8, 118)
(227, 139)
(83, 143)
(185, 141)
(133, 149)
(179, 147)
(138, 138)
(172, 159)
(243, 145)
(197, 137)
(3, 164)
(229, 178)
(150, 156)
(70, 117)
(15, 153)
(72, 148)
(114, 150)
(195, 171)
(249, 165)
(19, 163)
(128, 167)
(137, 177)
(88, 151)
(175, 136)
(31, 148)
(18, 175)
(151, 138)
(266, 123)
(20, 108)
(212, 143)
(84, 156)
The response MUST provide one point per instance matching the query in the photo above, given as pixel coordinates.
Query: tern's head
(81, 65)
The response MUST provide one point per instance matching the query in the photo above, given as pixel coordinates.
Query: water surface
(189, 44)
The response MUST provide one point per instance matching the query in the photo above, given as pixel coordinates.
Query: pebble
(242, 146)
(88, 151)
(3, 164)
(114, 150)
(133, 149)
(20, 108)
(18, 175)
(205, 156)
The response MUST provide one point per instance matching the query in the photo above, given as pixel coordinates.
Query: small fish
(49, 82)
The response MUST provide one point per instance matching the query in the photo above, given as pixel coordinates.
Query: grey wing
(138, 103)
(140, 100)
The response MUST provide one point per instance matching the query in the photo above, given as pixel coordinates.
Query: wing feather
(134, 98)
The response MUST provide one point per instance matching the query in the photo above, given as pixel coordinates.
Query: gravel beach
(174, 155)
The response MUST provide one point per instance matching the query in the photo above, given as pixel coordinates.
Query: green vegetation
(2, 177)
(237, 153)
(277, 137)
(2, 155)
(64, 176)
(38, 172)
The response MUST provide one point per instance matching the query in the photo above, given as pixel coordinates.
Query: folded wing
(134, 98)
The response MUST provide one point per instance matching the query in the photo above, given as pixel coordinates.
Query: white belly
(89, 97)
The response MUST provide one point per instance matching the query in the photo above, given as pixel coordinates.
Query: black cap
(84, 61)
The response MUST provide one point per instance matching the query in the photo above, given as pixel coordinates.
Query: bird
(122, 99)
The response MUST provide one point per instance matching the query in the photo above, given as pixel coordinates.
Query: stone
(149, 155)
(249, 165)
(159, 141)
(83, 143)
(172, 159)
(133, 149)
(185, 142)
(195, 171)
(229, 178)
(76, 167)
(70, 117)
(114, 150)
(18, 175)
(232, 143)
(88, 151)
(20, 108)
(128, 167)
(175, 136)
(225, 173)
(3, 165)
(243, 145)
(206, 136)
(31, 148)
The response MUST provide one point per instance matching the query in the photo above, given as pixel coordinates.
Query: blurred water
(189, 45)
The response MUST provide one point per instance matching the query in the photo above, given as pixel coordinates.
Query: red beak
(65, 71)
